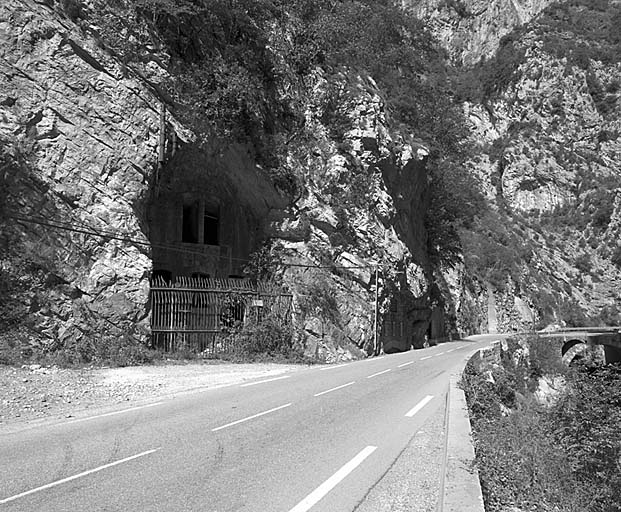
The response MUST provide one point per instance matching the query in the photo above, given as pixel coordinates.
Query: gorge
(461, 157)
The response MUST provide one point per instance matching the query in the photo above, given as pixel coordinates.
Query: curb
(461, 487)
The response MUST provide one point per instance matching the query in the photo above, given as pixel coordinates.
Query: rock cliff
(472, 29)
(97, 176)
(360, 216)
(544, 114)
(78, 136)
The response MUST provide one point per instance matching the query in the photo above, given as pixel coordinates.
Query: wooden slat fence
(196, 314)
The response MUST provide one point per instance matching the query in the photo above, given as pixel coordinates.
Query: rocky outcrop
(80, 140)
(361, 212)
(472, 29)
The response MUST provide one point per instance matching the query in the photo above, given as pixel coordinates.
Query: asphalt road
(318, 439)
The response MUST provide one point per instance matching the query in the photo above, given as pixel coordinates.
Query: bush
(122, 350)
(270, 339)
(583, 263)
(561, 458)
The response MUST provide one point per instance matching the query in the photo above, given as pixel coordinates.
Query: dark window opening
(190, 223)
(210, 229)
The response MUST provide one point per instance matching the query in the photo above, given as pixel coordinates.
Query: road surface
(317, 439)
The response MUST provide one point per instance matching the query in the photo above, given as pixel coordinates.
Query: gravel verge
(34, 392)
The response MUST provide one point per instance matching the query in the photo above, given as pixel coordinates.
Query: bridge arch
(573, 350)
(569, 344)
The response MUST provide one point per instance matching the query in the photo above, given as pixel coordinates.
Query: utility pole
(376, 307)
(161, 146)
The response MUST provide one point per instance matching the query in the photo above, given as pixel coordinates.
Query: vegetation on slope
(558, 257)
(564, 456)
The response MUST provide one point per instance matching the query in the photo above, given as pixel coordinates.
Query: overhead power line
(172, 247)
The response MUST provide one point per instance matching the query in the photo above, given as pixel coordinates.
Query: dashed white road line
(439, 354)
(406, 364)
(334, 389)
(314, 497)
(449, 351)
(266, 380)
(419, 406)
(113, 413)
(79, 475)
(426, 357)
(378, 373)
(333, 367)
(250, 417)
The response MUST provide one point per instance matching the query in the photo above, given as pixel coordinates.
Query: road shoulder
(32, 394)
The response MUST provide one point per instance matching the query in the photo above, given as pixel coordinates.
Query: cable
(115, 236)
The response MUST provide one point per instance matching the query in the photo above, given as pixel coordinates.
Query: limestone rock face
(549, 153)
(80, 141)
(546, 127)
(86, 135)
(362, 210)
(472, 29)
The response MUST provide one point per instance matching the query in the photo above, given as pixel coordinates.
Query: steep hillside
(544, 112)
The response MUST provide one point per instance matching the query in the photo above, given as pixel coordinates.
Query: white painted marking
(333, 367)
(314, 497)
(426, 357)
(114, 413)
(440, 354)
(418, 406)
(79, 475)
(262, 381)
(337, 387)
(406, 364)
(378, 373)
(250, 417)
(449, 351)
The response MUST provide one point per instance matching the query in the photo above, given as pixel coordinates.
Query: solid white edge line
(419, 406)
(426, 357)
(333, 367)
(378, 373)
(266, 380)
(113, 413)
(314, 497)
(334, 389)
(79, 475)
(250, 417)
(406, 364)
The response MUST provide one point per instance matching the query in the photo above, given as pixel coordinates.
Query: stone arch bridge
(574, 342)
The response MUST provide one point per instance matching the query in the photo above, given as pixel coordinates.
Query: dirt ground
(34, 392)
